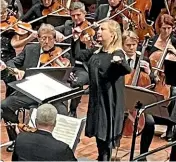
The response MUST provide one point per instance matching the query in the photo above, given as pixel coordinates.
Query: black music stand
(141, 107)
(60, 74)
(45, 89)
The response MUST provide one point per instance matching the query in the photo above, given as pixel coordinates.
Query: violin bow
(42, 17)
(167, 7)
(47, 63)
(107, 18)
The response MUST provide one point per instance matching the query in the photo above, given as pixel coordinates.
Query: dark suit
(41, 146)
(101, 12)
(27, 59)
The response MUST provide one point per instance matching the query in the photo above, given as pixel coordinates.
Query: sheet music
(66, 129)
(42, 87)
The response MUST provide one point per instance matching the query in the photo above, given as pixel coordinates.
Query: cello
(136, 78)
(142, 28)
(157, 59)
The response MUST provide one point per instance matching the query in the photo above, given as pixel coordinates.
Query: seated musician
(107, 10)
(130, 42)
(9, 41)
(157, 45)
(36, 10)
(41, 145)
(29, 57)
(80, 74)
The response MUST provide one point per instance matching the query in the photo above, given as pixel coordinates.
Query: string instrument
(170, 9)
(11, 23)
(55, 6)
(25, 128)
(136, 78)
(157, 59)
(59, 62)
(119, 17)
(89, 32)
(142, 28)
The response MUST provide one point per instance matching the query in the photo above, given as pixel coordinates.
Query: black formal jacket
(101, 12)
(41, 146)
(28, 58)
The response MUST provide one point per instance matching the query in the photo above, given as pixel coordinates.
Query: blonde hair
(4, 5)
(114, 29)
(47, 28)
(129, 34)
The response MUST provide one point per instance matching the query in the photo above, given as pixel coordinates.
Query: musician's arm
(17, 61)
(17, 42)
(31, 12)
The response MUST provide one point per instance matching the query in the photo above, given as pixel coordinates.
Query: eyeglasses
(45, 38)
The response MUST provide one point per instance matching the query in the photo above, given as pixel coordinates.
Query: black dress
(106, 97)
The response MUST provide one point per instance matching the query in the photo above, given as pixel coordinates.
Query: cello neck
(138, 69)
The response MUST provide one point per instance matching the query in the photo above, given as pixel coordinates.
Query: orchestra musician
(79, 75)
(10, 40)
(157, 44)
(107, 10)
(29, 57)
(41, 144)
(130, 42)
(107, 67)
(36, 10)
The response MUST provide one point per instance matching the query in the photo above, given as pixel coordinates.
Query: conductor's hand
(76, 32)
(19, 74)
(116, 59)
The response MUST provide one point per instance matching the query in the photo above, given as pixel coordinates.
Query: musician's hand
(19, 74)
(34, 35)
(2, 65)
(116, 59)
(59, 37)
(171, 49)
(144, 64)
(95, 25)
(76, 32)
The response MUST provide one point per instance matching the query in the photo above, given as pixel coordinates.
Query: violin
(56, 5)
(118, 8)
(25, 128)
(11, 23)
(136, 78)
(87, 34)
(59, 62)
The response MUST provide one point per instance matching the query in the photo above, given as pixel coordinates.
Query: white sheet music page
(42, 86)
(66, 129)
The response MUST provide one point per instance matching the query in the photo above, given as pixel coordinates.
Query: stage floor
(87, 147)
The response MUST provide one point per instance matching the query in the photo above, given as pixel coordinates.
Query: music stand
(61, 74)
(45, 89)
(169, 66)
(141, 107)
